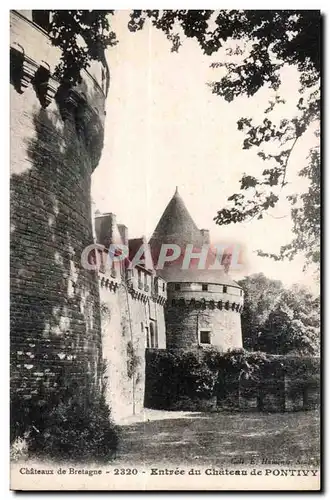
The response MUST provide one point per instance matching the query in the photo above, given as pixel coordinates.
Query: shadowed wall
(56, 142)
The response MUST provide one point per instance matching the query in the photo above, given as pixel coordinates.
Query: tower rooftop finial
(176, 190)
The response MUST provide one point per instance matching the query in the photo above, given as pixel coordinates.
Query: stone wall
(127, 312)
(161, 327)
(132, 317)
(190, 309)
(183, 324)
(124, 319)
(123, 350)
(56, 141)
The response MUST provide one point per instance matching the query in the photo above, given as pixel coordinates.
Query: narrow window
(147, 337)
(153, 336)
(146, 286)
(224, 289)
(140, 284)
(177, 286)
(204, 288)
(205, 337)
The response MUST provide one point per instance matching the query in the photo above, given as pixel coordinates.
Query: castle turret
(176, 225)
(204, 304)
(56, 142)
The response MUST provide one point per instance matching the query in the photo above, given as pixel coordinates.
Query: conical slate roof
(176, 226)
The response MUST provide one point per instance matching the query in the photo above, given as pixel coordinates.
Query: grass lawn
(219, 439)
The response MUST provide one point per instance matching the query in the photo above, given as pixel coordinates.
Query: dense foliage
(279, 320)
(207, 379)
(76, 430)
(83, 36)
(294, 324)
(178, 376)
(260, 297)
(71, 424)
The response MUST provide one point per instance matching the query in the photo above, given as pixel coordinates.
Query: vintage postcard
(165, 250)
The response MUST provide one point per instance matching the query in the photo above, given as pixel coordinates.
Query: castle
(203, 305)
(63, 315)
(132, 319)
(173, 308)
(56, 140)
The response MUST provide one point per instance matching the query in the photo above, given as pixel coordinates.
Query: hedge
(208, 379)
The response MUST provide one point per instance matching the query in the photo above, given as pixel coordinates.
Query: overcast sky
(164, 128)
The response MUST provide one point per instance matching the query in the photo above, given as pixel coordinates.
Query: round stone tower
(203, 304)
(56, 143)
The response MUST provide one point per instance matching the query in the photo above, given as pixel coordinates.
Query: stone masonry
(56, 143)
(63, 316)
(203, 305)
(132, 318)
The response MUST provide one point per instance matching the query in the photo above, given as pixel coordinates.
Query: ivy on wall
(133, 360)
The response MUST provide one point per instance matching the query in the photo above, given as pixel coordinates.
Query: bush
(71, 423)
(192, 380)
(176, 377)
(19, 450)
(76, 430)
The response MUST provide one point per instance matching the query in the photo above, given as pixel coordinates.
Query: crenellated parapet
(110, 284)
(26, 72)
(143, 285)
(158, 299)
(206, 295)
(159, 291)
(138, 295)
(207, 303)
(144, 294)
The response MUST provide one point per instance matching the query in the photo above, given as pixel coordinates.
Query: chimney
(105, 229)
(205, 233)
(123, 231)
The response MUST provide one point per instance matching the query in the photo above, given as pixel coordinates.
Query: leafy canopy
(83, 36)
(260, 43)
(278, 320)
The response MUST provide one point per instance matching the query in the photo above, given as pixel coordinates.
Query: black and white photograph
(165, 224)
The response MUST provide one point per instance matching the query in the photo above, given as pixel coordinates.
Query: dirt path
(217, 439)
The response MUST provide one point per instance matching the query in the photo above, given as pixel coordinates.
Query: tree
(294, 325)
(261, 295)
(305, 214)
(83, 36)
(260, 43)
(279, 320)
(279, 39)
